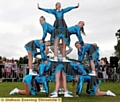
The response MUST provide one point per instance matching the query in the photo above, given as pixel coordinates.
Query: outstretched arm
(70, 8)
(51, 11)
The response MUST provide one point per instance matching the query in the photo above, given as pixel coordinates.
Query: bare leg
(61, 81)
(55, 47)
(26, 91)
(57, 78)
(64, 48)
(30, 60)
(100, 93)
(64, 82)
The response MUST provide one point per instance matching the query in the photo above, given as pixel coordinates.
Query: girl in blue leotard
(61, 27)
(29, 88)
(77, 30)
(91, 50)
(31, 48)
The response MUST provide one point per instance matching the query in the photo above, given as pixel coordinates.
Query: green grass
(6, 87)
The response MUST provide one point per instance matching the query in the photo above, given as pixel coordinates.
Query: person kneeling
(31, 86)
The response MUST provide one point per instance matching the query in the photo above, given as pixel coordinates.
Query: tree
(117, 47)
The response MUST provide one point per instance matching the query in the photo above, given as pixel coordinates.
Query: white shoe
(33, 73)
(42, 90)
(14, 91)
(54, 94)
(92, 74)
(54, 60)
(65, 60)
(69, 92)
(110, 93)
(66, 94)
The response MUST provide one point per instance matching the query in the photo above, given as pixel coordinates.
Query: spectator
(103, 63)
(1, 66)
(14, 68)
(8, 67)
(25, 60)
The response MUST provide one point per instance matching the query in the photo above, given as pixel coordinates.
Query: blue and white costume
(28, 79)
(59, 24)
(47, 28)
(92, 81)
(76, 30)
(33, 45)
(42, 79)
(92, 51)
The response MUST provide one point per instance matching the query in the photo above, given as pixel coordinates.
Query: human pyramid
(60, 69)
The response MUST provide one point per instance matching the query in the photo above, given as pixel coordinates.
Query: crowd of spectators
(9, 68)
(107, 71)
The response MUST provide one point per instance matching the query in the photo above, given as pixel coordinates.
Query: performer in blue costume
(91, 50)
(81, 76)
(93, 88)
(92, 82)
(60, 25)
(47, 28)
(77, 30)
(31, 86)
(60, 76)
(31, 48)
(42, 79)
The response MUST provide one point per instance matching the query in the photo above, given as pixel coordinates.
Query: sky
(19, 24)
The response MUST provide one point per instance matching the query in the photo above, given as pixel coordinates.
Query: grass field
(6, 87)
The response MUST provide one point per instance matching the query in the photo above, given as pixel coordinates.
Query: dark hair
(56, 3)
(81, 43)
(0, 57)
(42, 17)
(82, 29)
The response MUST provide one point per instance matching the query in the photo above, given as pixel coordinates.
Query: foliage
(117, 47)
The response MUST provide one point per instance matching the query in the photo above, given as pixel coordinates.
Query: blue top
(27, 79)
(43, 67)
(47, 28)
(75, 30)
(82, 50)
(58, 14)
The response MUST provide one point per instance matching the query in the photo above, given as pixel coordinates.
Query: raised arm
(70, 8)
(51, 11)
(68, 51)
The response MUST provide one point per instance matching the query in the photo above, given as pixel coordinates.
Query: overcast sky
(19, 23)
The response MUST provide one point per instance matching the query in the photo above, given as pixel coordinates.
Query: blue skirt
(60, 31)
(32, 46)
(92, 85)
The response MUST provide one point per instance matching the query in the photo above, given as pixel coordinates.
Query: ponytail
(82, 29)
